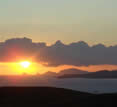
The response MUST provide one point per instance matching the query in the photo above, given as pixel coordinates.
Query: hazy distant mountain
(72, 71)
(98, 74)
(64, 72)
(49, 74)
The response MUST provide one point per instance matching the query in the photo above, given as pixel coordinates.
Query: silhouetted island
(72, 71)
(99, 74)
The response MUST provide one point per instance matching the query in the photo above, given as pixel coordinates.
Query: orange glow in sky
(33, 68)
(24, 67)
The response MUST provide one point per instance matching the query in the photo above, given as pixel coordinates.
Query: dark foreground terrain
(53, 97)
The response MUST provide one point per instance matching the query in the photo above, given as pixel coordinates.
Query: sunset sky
(91, 21)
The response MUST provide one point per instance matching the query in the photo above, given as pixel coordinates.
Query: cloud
(77, 54)
(18, 48)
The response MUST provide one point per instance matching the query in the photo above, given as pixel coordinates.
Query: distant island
(95, 75)
(72, 71)
(69, 71)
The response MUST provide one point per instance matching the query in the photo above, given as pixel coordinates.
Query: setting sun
(25, 64)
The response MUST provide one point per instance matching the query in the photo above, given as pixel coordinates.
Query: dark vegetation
(52, 97)
(99, 74)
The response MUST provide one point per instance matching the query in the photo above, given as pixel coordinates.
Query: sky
(16, 54)
(93, 21)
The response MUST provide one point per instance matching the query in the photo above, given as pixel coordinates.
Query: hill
(52, 97)
(49, 74)
(72, 71)
(98, 74)
(40, 96)
(64, 72)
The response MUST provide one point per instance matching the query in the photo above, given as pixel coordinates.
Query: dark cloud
(78, 54)
(19, 48)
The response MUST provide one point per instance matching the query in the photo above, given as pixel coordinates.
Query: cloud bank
(77, 54)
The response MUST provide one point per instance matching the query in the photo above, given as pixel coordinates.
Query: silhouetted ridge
(72, 71)
(98, 74)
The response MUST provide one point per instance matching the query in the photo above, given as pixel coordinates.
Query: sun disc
(25, 64)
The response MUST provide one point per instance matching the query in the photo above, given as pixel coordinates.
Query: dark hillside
(51, 97)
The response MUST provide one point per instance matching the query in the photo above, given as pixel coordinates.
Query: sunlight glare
(25, 64)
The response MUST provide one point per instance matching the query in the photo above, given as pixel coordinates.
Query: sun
(25, 64)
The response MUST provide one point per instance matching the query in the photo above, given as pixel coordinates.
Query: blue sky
(93, 21)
